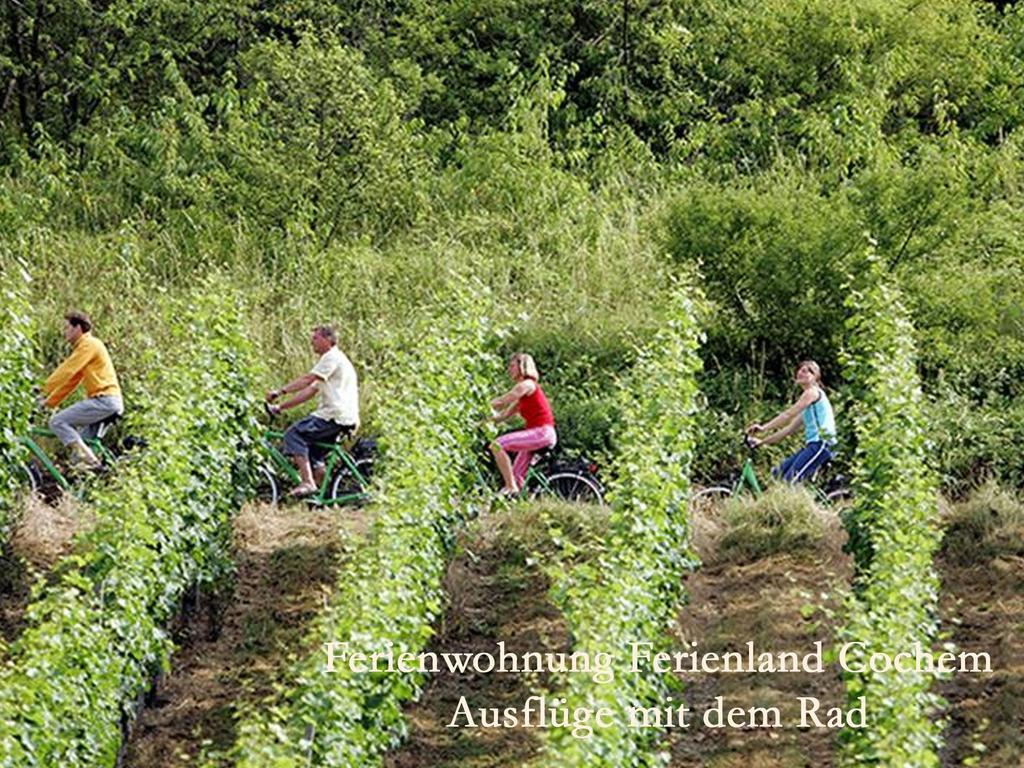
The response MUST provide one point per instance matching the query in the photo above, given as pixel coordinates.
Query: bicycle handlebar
(269, 413)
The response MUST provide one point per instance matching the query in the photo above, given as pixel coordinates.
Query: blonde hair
(527, 366)
(814, 367)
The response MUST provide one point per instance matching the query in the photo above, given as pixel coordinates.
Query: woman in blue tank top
(813, 412)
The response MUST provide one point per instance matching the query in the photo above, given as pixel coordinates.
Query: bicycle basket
(580, 464)
(365, 448)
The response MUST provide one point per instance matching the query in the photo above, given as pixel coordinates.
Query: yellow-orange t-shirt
(89, 364)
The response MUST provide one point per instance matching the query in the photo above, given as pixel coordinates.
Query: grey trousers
(81, 420)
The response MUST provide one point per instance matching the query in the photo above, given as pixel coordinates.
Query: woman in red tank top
(527, 399)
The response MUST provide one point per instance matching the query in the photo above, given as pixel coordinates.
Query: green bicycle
(346, 477)
(551, 477)
(43, 475)
(826, 489)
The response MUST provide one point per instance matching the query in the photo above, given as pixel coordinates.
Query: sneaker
(81, 466)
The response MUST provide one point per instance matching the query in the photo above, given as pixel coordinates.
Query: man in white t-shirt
(334, 379)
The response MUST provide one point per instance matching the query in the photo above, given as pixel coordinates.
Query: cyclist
(528, 400)
(334, 379)
(813, 410)
(88, 364)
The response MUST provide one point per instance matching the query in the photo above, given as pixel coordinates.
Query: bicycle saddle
(541, 453)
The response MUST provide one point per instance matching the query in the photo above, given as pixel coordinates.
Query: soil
(983, 606)
(493, 595)
(287, 565)
(782, 602)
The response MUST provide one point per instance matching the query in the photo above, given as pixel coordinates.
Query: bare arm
(299, 399)
(506, 414)
(788, 416)
(511, 398)
(298, 384)
(782, 434)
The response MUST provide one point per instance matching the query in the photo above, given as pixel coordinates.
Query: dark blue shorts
(801, 466)
(301, 438)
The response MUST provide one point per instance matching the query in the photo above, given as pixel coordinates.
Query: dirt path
(983, 605)
(43, 536)
(288, 562)
(493, 596)
(776, 602)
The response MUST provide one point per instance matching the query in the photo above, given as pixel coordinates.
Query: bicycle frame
(46, 463)
(540, 479)
(748, 479)
(336, 457)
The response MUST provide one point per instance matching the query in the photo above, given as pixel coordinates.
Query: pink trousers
(524, 442)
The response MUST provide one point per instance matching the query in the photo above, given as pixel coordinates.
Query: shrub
(96, 636)
(390, 594)
(631, 593)
(892, 528)
(16, 376)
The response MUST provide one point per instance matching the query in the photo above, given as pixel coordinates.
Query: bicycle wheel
(705, 499)
(713, 492)
(569, 486)
(346, 485)
(28, 476)
(267, 489)
(838, 494)
(575, 486)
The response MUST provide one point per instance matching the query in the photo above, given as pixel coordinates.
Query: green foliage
(632, 593)
(67, 62)
(893, 530)
(389, 595)
(16, 374)
(317, 143)
(772, 253)
(842, 83)
(96, 635)
(617, 63)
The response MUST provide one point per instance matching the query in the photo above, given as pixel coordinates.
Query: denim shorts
(301, 438)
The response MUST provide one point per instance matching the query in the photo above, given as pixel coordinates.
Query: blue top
(819, 421)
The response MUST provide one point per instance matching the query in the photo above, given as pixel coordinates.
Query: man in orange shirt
(89, 364)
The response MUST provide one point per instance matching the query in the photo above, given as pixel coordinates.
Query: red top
(535, 409)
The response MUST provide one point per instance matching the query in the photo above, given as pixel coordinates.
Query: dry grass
(261, 528)
(550, 527)
(46, 532)
(989, 523)
(784, 520)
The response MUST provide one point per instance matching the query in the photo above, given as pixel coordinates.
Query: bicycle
(547, 476)
(346, 477)
(833, 489)
(42, 474)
